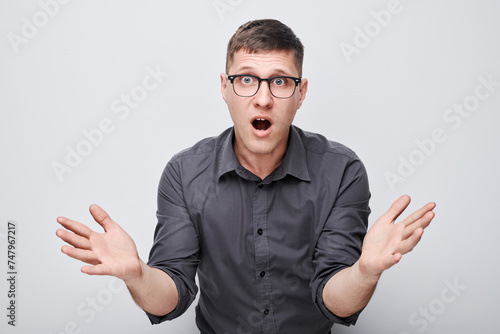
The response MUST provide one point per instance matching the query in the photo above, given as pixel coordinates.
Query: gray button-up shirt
(263, 249)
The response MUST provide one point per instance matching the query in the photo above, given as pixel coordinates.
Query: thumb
(101, 217)
(99, 269)
(392, 260)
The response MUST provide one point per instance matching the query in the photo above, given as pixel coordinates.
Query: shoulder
(188, 164)
(317, 144)
(333, 164)
(203, 148)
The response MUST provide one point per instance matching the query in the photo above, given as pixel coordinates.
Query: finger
(75, 227)
(397, 208)
(101, 217)
(83, 255)
(407, 245)
(423, 222)
(419, 213)
(73, 239)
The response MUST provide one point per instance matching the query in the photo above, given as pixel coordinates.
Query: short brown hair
(265, 35)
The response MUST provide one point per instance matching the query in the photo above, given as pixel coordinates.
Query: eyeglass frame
(268, 80)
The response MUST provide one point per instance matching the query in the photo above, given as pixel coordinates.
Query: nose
(263, 98)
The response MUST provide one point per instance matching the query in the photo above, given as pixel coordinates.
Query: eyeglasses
(247, 85)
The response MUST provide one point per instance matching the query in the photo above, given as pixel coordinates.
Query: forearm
(154, 291)
(349, 291)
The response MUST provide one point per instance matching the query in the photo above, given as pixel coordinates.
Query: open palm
(387, 241)
(110, 253)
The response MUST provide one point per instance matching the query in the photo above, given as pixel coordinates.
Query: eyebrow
(252, 69)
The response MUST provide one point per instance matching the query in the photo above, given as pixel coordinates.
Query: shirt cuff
(348, 321)
(183, 304)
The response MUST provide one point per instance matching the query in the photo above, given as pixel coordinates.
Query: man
(272, 218)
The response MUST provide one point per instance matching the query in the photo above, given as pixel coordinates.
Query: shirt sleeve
(176, 246)
(340, 242)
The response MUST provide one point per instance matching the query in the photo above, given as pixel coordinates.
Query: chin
(261, 148)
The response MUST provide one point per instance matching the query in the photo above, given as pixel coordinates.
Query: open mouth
(261, 124)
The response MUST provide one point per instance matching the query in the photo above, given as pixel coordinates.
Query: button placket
(262, 256)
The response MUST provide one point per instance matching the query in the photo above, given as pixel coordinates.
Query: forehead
(264, 63)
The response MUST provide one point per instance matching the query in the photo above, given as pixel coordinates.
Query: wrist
(367, 275)
(139, 275)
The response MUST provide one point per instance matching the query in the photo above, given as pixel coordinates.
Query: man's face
(271, 135)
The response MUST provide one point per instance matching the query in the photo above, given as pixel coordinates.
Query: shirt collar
(294, 162)
(227, 158)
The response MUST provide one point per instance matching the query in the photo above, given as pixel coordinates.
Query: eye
(280, 82)
(247, 80)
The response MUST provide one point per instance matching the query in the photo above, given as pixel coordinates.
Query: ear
(223, 85)
(302, 91)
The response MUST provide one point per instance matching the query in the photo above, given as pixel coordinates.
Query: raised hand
(110, 253)
(387, 241)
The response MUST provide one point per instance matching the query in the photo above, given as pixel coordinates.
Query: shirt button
(260, 186)
(259, 231)
(266, 311)
(262, 273)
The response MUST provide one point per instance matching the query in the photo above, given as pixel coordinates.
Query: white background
(62, 79)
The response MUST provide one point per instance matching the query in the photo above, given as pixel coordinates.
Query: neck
(260, 164)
